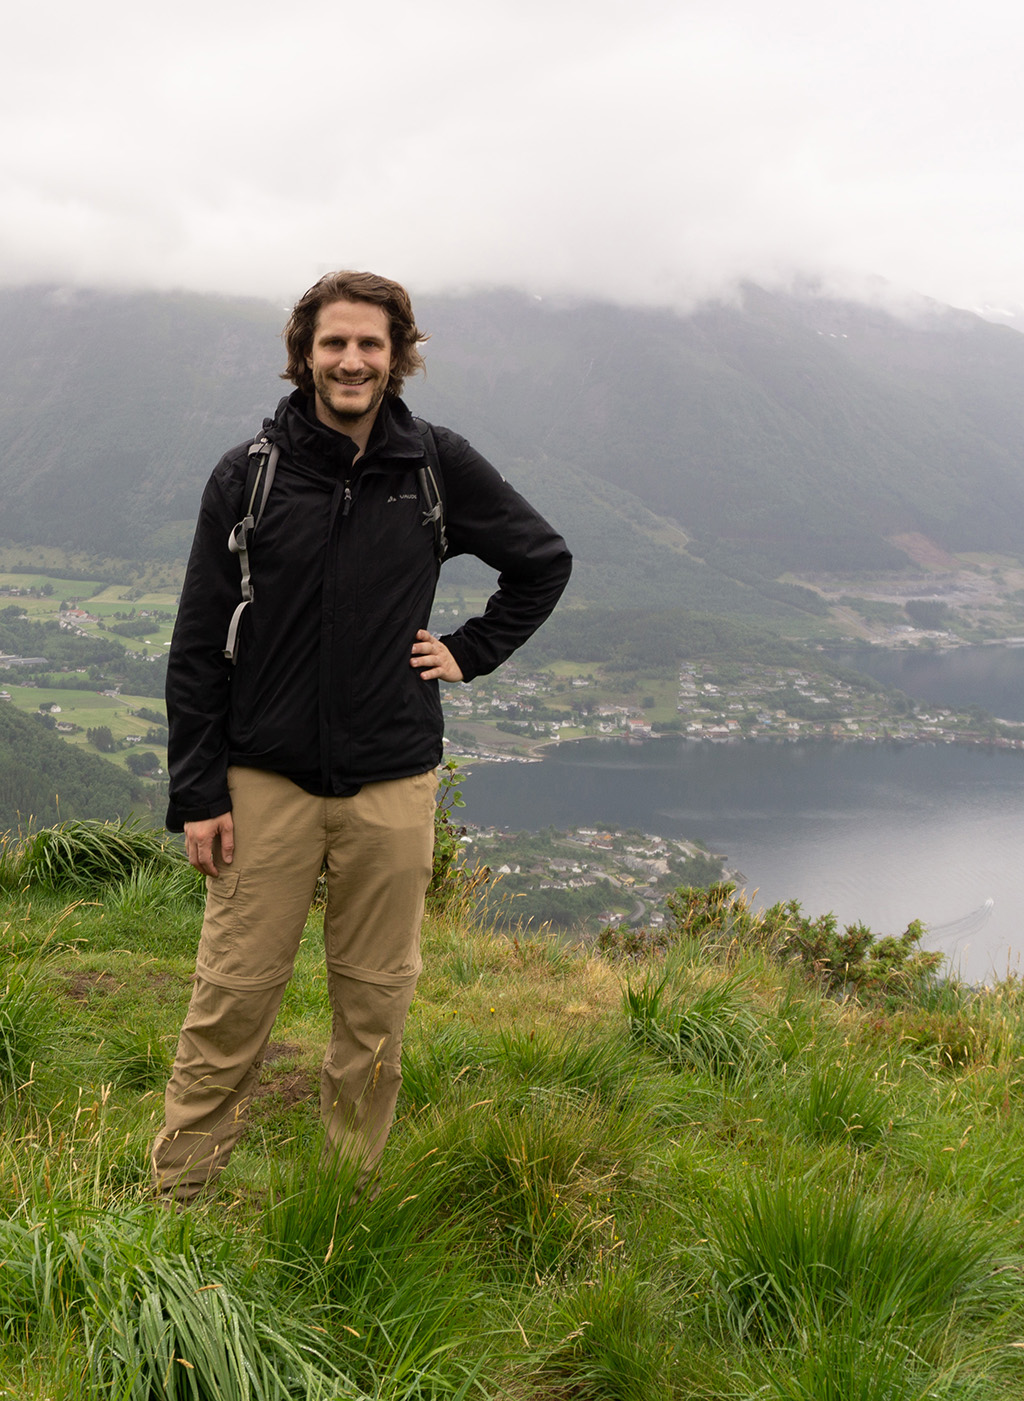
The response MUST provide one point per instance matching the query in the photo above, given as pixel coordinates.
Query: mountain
(782, 433)
(690, 459)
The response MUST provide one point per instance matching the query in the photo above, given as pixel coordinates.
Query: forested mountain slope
(784, 433)
(42, 779)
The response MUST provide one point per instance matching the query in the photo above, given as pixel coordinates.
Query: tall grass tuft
(846, 1102)
(87, 856)
(568, 1061)
(391, 1266)
(851, 1361)
(713, 1031)
(11, 852)
(536, 1177)
(136, 1058)
(27, 1020)
(157, 886)
(168, 1328)
(432, 1069)
(610, 1341)
(158, 1321)
(791, 1257)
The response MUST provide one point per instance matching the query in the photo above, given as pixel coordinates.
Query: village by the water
(586, 877)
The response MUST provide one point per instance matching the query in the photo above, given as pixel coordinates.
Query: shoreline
(535, 755)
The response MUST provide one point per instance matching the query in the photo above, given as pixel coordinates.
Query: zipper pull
(348, 500)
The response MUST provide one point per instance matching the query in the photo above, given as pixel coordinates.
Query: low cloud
(653, 152)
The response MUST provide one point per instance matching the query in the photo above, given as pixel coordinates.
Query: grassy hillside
(681, 1168)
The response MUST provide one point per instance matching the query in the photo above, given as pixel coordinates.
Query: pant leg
(256, 910)
(380, 850)
(219, 1058)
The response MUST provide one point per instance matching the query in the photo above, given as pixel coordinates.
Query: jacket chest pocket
(388, 536)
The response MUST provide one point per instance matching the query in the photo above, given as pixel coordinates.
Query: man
(317, 748)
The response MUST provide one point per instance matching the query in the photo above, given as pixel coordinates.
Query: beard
(348, 411)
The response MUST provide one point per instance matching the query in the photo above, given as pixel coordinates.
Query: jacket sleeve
(488, 518)
(198, 673)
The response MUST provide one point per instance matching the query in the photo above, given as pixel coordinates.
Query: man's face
(350, 362)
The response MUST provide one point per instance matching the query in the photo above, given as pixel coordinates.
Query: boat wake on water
(952, 931)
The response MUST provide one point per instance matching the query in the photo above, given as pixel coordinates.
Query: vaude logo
(405, 496)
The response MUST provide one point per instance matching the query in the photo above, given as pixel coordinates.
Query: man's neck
(358, 429)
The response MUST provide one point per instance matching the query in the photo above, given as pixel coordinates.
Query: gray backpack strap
(259, 479)
(430, 476)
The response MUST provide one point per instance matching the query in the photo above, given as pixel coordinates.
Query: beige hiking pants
(377, 846)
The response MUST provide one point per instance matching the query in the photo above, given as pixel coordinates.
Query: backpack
(259, 478)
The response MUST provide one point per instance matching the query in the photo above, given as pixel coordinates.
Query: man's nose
(351, 357)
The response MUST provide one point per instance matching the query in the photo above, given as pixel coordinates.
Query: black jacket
(343, 574)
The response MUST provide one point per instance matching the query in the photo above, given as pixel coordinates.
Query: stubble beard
(343, 417)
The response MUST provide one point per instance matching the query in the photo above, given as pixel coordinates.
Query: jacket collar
(311, 443)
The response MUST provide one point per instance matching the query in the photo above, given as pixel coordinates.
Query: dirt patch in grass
(287, 1087)
(82, 985)
(165, 980)
(291, 1087)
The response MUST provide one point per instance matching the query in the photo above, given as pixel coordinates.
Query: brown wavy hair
(354, 287)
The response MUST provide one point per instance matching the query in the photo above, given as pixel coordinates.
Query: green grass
(695, 1178)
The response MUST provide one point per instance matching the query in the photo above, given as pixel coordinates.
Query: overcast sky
(641, 149)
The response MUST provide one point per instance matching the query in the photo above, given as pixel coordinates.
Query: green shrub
(721, 921)
(455, 888)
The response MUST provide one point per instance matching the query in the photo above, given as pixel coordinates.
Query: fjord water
(989, 676)
(882, 833)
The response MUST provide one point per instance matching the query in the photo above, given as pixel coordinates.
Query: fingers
(227, 839)
(201, 839)
(433, 659)
(200, 855)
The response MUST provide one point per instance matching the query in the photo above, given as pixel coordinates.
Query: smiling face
(350, 362)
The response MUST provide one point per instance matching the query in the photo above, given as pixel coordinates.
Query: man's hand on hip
(201, 838)
(430, 653)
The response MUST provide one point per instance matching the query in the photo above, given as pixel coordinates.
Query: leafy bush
(722, 922)
(857, 958)
(454, 888)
